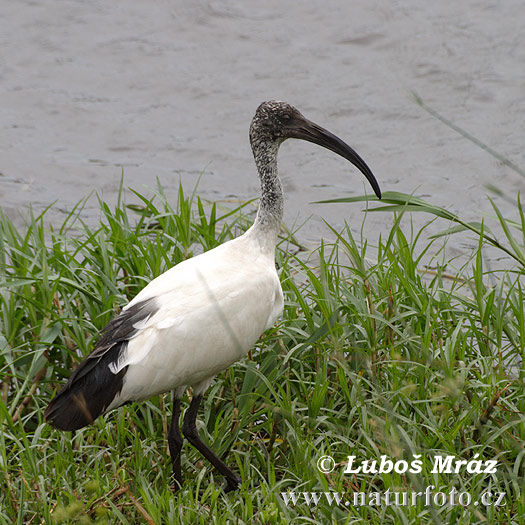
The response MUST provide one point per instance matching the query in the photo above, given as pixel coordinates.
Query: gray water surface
(168, 89)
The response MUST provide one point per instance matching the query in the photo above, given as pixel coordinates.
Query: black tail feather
(92, 386)
(87, 394)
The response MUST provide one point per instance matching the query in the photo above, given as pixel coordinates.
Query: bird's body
(203, 304)
(203, 314)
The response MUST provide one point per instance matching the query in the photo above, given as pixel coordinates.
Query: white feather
(211, 310)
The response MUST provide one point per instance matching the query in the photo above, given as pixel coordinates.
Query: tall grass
(369, 359)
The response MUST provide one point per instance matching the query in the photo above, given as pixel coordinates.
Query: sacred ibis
(202, 315)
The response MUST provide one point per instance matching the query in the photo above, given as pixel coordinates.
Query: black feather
(92, 386)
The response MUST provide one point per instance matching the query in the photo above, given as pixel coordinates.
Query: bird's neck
(271, 204)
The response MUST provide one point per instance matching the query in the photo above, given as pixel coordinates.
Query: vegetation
(369, 359)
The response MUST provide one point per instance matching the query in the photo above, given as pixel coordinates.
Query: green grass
(369, 359)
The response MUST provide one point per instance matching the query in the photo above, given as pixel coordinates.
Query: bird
(203, 314)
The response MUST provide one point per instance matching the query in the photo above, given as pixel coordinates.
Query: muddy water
(167, 89)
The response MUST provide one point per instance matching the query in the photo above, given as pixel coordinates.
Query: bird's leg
(189, 429)
(175, 443)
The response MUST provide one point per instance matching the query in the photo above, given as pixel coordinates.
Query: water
(168, 89)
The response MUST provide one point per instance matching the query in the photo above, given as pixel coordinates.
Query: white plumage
(211, 310)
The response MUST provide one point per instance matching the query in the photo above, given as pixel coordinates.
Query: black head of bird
(276, 121)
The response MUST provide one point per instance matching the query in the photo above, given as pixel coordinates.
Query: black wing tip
(92, 387)
(86, 397)
(68, 412)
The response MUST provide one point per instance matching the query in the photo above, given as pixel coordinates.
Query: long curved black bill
(311, 132)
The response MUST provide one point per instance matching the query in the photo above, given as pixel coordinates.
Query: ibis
(200, 316)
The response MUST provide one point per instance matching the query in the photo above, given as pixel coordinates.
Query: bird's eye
(286, 117)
